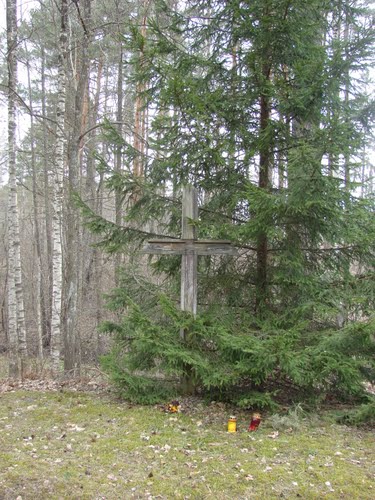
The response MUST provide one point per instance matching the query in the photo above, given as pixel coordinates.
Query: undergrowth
(234, 358)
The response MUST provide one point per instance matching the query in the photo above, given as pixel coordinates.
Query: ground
(62, 443)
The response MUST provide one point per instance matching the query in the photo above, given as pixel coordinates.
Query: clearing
(62, 444)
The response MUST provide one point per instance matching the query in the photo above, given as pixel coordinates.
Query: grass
(69, 445)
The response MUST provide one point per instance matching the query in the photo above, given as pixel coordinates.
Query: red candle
(255, 421)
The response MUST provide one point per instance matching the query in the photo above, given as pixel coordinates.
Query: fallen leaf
(273, 435)
(329, 486)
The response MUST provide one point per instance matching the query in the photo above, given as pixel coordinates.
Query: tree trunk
(139, 110)
(118, 162)
(47, 281)
(40, 295)
(347, 179)
(72, 343)
(93, 269)
(16, 314)
(264, 184)
(58, 197)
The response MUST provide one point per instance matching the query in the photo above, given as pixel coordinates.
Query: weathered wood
(170, 240)
(189, 281)
(184, 247)
(189, 248)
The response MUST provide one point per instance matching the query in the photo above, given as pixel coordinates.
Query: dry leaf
(273, 435)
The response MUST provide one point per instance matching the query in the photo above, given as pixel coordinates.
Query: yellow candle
(232, 424)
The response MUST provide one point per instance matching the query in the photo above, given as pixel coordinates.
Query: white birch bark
(58, 198)
(47, 283)
(16, 313)
(21, 328)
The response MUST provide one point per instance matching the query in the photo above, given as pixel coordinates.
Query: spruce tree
(250, 106)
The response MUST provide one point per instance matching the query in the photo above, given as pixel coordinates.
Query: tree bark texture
(264, 184)
(118, 157)
(47, 282)
(140, 109)
(40, 295)
(58, 180)
(16, 314)
(72, 347)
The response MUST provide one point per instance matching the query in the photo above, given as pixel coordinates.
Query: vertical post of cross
(189, 247)
(189, 281)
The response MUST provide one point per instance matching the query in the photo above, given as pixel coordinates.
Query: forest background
(266, 108)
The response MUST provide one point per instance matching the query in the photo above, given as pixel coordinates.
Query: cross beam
(186, 247)
(189, 247)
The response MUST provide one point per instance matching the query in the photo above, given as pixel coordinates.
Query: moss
(69, 445)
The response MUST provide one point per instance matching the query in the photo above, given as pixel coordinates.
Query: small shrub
(363, 415)
(257, 400)
(292, 420)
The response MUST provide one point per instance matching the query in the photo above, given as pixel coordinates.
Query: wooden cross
(189, 247)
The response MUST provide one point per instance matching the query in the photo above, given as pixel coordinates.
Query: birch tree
(58, 195)
(16, 314)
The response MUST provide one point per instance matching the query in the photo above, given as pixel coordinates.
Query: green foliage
(231, 360)
(258, 400)
(136, 387)
(363, 415)
(239, 90)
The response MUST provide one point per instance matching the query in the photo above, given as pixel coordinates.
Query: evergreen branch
(100, 125)
(103, 225)
(318, 250)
